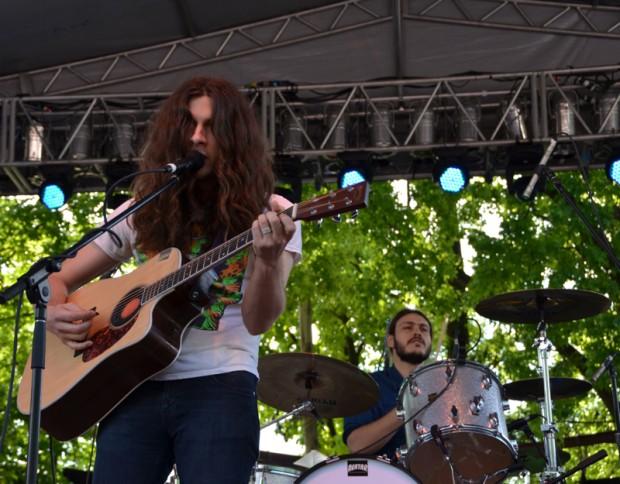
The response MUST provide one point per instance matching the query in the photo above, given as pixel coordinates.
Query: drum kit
(452, 411)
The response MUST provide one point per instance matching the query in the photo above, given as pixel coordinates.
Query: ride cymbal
(555, 305)
(533, 388)
(336, 388)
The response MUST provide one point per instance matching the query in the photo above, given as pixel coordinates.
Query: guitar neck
(203, 262)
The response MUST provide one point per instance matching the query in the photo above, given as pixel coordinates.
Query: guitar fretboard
(201, 263)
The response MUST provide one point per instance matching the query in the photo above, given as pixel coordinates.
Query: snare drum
(352, 469)
(470, 421)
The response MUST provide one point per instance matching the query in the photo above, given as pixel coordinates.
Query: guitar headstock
(341, 201)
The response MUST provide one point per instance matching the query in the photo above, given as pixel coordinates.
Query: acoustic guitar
(138, 332)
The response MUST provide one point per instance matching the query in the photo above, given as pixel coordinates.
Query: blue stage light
(54, 194)
(613, 169)
(452, 178)
(350, 176)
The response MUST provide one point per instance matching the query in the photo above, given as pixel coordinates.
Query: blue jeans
(208, 426)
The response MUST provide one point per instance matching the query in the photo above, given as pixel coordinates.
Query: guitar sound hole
(127, 309)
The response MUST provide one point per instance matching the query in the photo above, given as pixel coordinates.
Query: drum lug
(455, 414)
(486, 382)
(476, 405)
(493, 420)
(419, 428)
(414, 389)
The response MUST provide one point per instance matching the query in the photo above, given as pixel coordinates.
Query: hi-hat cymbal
(533, 388)
(556, 305)
(336, 388)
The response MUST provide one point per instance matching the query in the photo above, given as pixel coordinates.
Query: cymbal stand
(305, 406)
(547, 426)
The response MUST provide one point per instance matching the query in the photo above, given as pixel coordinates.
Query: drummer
(378, 431)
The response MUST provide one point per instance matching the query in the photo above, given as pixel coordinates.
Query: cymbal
(533, 388)
(531, 459)
(557, 305)
(336, 388)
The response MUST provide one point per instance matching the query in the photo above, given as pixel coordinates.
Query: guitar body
(132, 342)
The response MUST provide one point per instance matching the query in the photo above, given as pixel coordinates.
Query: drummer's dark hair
(404, 312)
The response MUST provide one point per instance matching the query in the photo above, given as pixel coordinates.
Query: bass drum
(267, 474)
(352, 469)
(463, 421)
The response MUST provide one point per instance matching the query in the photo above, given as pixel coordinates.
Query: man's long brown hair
(230, 197)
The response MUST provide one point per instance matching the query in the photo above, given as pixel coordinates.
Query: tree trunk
(311, 438)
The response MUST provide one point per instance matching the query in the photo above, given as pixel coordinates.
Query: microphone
(527, 193)
(606, 362)
(522, 423)
(192, 162)
(438, 439)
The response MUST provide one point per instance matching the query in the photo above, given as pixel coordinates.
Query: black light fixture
(288, 177)
(522, 161)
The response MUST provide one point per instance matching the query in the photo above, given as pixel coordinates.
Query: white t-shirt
(230, 347)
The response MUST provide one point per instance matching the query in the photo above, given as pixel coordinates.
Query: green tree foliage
(358, 273)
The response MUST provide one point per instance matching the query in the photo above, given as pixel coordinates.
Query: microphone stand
(597, 234)
(35, 283)
(614, 398)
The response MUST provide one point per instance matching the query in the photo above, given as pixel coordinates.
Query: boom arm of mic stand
(597, 235)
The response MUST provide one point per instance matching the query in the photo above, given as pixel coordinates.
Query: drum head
(354, 469)
(474, 455)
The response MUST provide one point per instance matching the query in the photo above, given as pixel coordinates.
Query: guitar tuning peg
(319, 223)
(354, 213)
(336, 218)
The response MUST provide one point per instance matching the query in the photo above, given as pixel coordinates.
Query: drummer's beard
(413, 357)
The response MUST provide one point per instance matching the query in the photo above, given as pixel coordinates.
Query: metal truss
(523, 15)
(201, 50)
(402, 127)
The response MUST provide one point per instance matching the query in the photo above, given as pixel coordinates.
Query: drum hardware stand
(306, 406)
(608, 365)
(588, 461)
(547, 426)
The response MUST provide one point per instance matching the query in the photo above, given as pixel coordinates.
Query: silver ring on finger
(265, 230)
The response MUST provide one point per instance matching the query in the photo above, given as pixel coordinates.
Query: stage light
(609, 112)
(452, 177)
(34, 142)
(338, 138)
(515, 123)
(613, 168)
(357, 168)
(565, 117)
(54, 193)
(381, 120)
(350, 176)
(469, 118)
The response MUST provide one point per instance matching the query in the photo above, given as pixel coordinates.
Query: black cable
(405, 422)
(7, 410)
(119, 181)
(467, 350)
